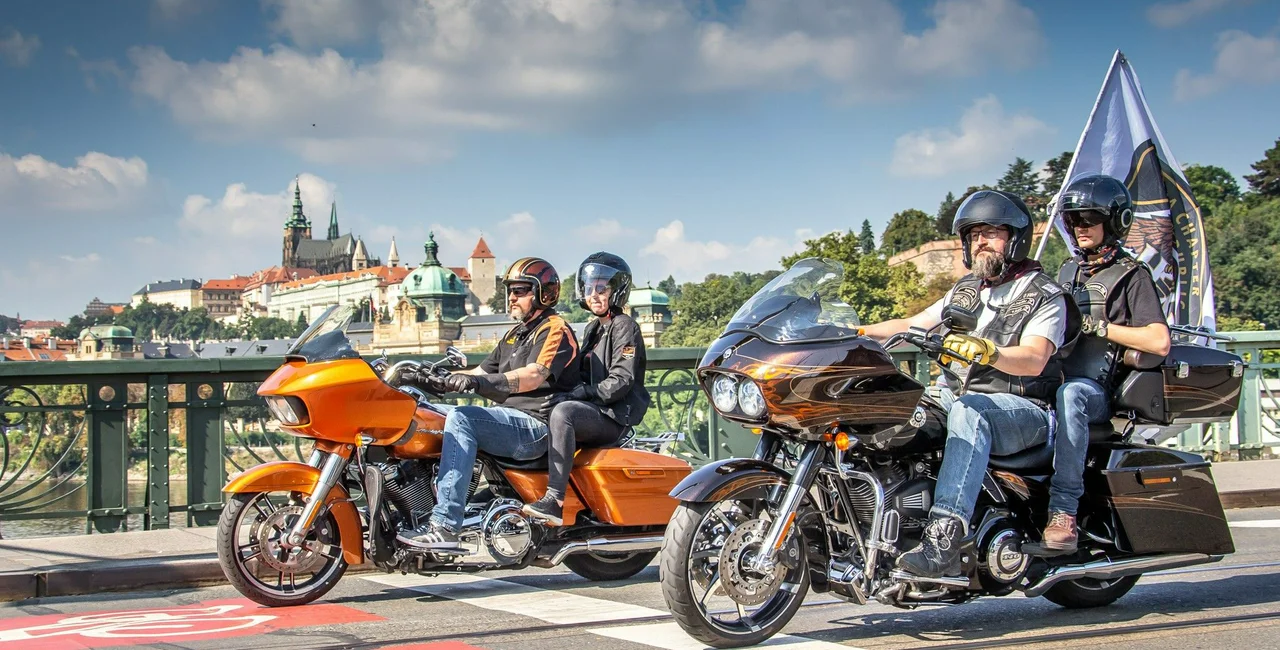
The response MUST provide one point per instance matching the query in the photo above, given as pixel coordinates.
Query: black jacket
(613, 365)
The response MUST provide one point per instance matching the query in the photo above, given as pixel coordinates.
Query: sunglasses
(591, 289)
(1084, 219)
(519, 291)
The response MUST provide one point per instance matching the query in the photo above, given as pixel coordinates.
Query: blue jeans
(494, 430)
(1081, 402)
(980, 425)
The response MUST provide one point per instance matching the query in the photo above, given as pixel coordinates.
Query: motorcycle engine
(908, 497)
(1002, 558)
(410, 488)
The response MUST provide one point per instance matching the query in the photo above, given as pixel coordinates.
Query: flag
(1121, 140)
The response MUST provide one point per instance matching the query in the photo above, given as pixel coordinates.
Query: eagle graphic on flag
(1121, 140)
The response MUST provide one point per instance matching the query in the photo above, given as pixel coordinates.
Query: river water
(73, 495)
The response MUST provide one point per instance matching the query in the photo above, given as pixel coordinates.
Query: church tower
(393, 258)
(484, 277)
(296, 229)
(360, 259)
(333, 221)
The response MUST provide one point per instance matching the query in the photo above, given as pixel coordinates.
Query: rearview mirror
(959, 319)
(456, 357)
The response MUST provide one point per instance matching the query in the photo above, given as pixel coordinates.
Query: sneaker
(1060, 534)
(545, 510)
(430, 535)
(938, 553)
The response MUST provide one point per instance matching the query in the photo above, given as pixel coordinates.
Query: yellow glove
(969, 349)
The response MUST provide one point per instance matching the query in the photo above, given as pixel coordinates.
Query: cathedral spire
(431, 248)
(333, 220)
(297, 219)
(393, 258)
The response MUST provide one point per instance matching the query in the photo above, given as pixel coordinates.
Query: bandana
(1106, 255)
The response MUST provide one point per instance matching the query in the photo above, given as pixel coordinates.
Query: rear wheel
(1087, 592)
(602, 567)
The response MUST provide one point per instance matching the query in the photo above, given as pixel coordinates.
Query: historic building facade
(333, 254)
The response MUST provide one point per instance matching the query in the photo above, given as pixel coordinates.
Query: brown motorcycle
(290, 530)
(843, 476)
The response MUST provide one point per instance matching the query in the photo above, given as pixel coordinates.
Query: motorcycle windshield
(802, 304)
(326, 338)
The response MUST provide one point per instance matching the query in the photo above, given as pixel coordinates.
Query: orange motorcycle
(290, 530)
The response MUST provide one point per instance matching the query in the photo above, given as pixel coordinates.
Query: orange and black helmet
(539, 273)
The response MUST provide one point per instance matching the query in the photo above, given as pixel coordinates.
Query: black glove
(460, 383)
(580, 393)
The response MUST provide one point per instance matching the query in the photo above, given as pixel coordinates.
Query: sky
(147, 140)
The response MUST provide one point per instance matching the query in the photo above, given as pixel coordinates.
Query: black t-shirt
(1134, 302)
(546, 340)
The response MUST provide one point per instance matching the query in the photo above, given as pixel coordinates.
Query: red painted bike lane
(214, 619)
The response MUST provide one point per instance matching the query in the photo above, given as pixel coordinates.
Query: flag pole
(1116, 59)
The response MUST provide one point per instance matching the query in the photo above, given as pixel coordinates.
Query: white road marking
(669, 636)
(1261, 523)
(555, 607)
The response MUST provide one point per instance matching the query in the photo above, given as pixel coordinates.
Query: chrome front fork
(806, 470)
(331, 471)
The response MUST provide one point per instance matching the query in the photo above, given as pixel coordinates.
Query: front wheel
(250, 533)
(602, 568)
(708, 580)
(1087, 592)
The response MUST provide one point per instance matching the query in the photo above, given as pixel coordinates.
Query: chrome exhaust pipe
(1109, 569)
(609, 545)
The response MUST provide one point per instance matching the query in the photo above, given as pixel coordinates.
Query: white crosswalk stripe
(669, 636)
(1260, 523)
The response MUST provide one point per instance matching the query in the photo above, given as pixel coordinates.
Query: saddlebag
(1193, 384)
(628, 487)
(1165, 501)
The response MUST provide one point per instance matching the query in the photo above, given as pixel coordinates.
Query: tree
(867, 238)
(669, 287)
(1244, 250)
(498, 303)
(1266, 182)
(947, 215)
(906, 230)
(266, 328)
(1212, 186)
(876, 290)
(947, 211)
(1057, 173)
(703, 309)
(78, 324)
(1020, 179)
(568, 307)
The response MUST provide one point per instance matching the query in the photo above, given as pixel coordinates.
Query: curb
(1251, 498)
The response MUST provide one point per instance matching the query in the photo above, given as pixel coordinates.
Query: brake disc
(269, 533)
(742, 582)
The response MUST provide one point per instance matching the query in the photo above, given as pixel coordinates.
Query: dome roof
(107, 332)
(647, 296)
(431, 279)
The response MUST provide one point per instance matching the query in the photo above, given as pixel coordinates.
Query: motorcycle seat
(540, 463)
(1040, 457)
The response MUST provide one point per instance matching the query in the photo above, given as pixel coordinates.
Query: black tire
(602, 568)
(1086, 592)
(242, 578)
(677, 587)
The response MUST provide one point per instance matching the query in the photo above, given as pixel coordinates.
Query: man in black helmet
(1007, 369)
(1120, 310)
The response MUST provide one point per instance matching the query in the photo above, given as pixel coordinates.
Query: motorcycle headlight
(750, 399)
(288, 410)
(724, 393)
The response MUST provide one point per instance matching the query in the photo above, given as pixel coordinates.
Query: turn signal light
(843, 441)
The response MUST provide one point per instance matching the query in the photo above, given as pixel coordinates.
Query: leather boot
(939, 550)
(1060, 534)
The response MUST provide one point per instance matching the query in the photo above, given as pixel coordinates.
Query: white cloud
(1242, 59)
(242, 215)
(604, 232)
(986, 136)
(690, 260)
(451, 66)
(97, 183)
(1173, 14)
(93, 70)
(16, 49)
(91, 258)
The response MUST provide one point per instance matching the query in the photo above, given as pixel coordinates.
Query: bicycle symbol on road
(140, 624)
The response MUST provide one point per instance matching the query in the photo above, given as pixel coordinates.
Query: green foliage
(1244, 250)
(669, 287)
(946, 214)
(568, 308)
(1266, 181)
(78, 323)
(906, 230)
(1057, 173)
(498, 303)
(867, 238)
(267, 327)
(1020, 179)
(1212, 186)
(702, 309)
(8, 324)
(877, 291)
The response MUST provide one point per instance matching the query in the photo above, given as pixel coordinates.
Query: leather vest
(1094, 357)
(1005, 330)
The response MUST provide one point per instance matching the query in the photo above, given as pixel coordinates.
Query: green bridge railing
(105, 446)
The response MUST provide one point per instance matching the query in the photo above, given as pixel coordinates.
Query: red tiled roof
(43, 324)
(482, 250)
(23, 354)
(277, 275)
(234, 284)
(116, 309)
(462, 273)
(389, 275)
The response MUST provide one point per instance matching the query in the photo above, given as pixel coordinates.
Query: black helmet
(1105, 195)
(604, 267)
(995, 208)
